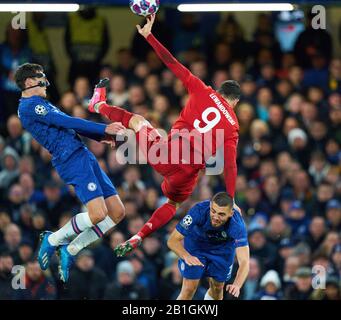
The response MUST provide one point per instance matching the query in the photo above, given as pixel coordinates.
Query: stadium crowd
(289, 162)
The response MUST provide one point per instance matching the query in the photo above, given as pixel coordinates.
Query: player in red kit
(209, 118)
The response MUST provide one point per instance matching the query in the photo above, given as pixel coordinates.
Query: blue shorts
(83, 172)
(218, 267)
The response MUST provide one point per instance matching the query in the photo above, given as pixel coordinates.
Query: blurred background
(289, 156)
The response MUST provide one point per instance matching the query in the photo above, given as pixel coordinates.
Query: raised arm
(180, 71)
(84, 127)
(230, 166)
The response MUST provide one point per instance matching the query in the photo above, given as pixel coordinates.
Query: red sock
(115, 114)
(160, 217)
(143, 138)
(148, 134)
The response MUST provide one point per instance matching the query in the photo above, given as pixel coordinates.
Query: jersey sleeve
(92, 136)
(239, 232)
(47, 115)
(230, 166)
(191, 82)
(191, 219)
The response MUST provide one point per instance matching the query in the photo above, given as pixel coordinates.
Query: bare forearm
(178, 249)
(242, 273)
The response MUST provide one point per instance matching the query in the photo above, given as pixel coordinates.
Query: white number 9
(210, 124)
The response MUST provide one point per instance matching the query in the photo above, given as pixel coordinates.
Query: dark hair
(25, 71)
(230, 89)
(5, 254)
(222, 199)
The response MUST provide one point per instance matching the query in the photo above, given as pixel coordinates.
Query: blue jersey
(198, 231)
(214, 246)
(55, 130)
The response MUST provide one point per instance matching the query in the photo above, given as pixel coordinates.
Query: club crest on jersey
(182, 266)
(92, 186)
(40, 110)
(187, 221)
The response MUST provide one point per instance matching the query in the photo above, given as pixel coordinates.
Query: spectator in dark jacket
(6, 265)
(297, 219)
(103, 254)
(301, 289)
(126, 287)
(317, 232)
(260, 248)
(312, 41)
(38, 286)
(54, 204)
(86, 281)
(333, 214)
(12, 238)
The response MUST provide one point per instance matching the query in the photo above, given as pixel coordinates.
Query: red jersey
(207, 114)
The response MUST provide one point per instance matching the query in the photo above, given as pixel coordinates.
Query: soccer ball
(144, 7)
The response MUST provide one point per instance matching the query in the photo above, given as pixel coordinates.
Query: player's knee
(98, 215)
(188, 292)
(118, 214)
(121, 213)
(217, 288)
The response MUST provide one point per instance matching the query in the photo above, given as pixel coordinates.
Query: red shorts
(178, 185)
(179, 179)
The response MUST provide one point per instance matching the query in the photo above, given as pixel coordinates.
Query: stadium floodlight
(210, 7)
(39, 7)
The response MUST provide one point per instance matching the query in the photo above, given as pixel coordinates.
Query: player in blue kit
(206, 241)
(75, 164)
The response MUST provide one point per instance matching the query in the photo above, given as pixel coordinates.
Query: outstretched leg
(130, 120)
(97, 212)
(146, 136)
(159, 218)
